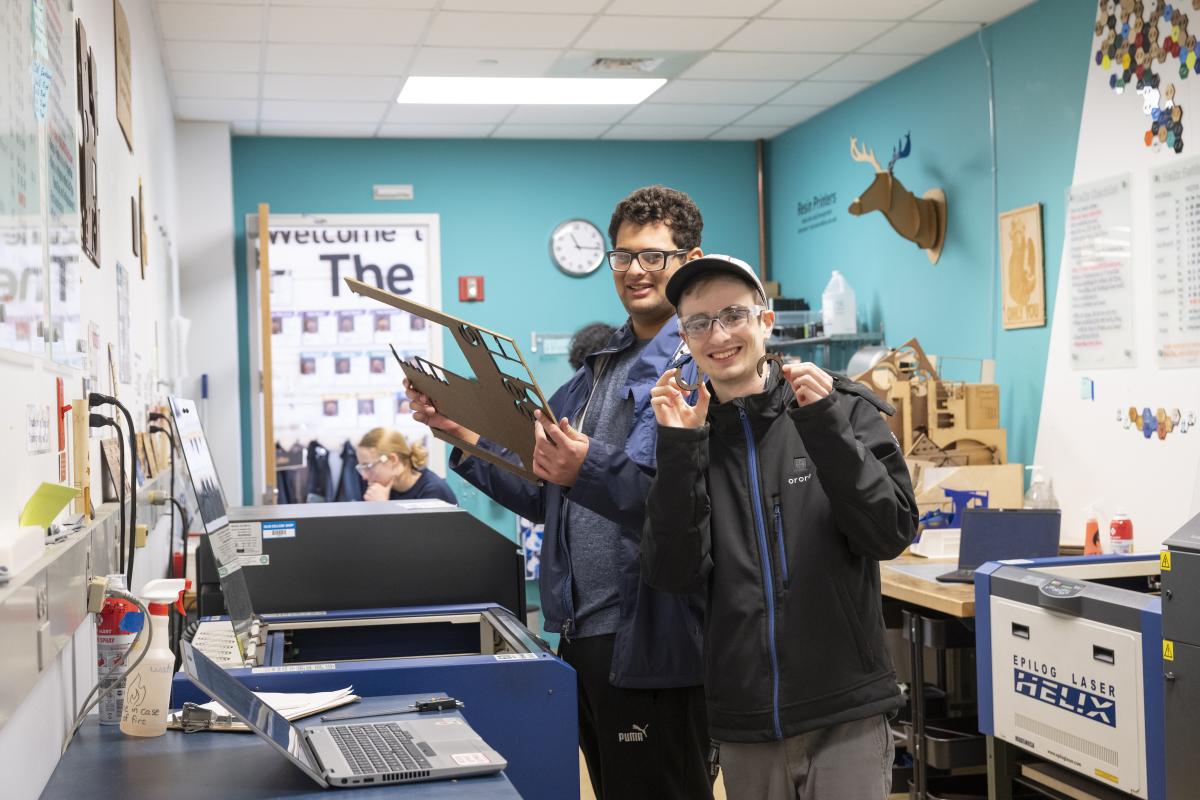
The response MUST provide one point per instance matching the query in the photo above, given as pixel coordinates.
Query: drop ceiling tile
(688, 8)
(765, 66)
(346, 129)
(527, 6)
(321, 111)
(865, 67)
(657, 33)
(448, 62)
(858, 9)
(418, 113)
(509, 131)
(660, 132)
(437, 131)
(685, 91)
(980, 11)
(747, 132)
(920, 38)
(223, 2)
(210, 23)
(220, 85)
(345, 25)
(567, 115)
(804, 36)
(330, 87)
(337, 59)
(211, 56)
(216, 110)
(454, 29)
(667, 114)
(787, 116)
(820, 93)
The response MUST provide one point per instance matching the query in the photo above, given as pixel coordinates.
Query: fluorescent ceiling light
(529, 91)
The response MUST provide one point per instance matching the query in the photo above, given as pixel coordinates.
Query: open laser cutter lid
(214, 513)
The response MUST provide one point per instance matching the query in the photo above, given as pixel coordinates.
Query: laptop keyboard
(382, 747)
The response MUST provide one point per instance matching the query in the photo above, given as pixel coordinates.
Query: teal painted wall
(1040, 57)
(498, 200)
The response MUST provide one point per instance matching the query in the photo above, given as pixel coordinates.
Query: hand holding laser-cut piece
(498, 403)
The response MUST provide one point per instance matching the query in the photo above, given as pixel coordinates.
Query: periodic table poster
(1176, 193)
(334, 376)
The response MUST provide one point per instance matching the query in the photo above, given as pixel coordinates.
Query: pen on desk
(432, 704)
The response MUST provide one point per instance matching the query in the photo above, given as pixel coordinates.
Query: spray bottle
(148, 685)
(1092, 545)
(120, 621)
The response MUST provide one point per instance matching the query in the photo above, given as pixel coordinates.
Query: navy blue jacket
(659, 637)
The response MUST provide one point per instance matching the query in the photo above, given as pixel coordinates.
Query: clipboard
(498, 403)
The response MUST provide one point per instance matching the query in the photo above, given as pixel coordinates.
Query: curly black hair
(588, 340)
(660, 204)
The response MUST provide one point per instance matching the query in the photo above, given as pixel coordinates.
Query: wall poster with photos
(333, 375)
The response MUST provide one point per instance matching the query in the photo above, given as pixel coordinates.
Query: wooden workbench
(955, 599)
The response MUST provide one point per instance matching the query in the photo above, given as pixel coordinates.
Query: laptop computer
(350, 754)
(994, 534)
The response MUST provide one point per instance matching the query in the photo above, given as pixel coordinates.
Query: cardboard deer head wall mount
(919, 219)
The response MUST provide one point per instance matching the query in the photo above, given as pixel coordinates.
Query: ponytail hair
(387, 442)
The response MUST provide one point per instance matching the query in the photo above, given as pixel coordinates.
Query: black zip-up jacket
(784, 513)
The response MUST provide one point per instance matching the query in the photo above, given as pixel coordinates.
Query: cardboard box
(983, 405)
(1004, 483)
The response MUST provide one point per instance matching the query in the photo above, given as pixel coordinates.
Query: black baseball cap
(707, 265)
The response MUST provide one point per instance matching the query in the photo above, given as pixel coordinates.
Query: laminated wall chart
(1099, 249)
(1176, 193)
(333, 374)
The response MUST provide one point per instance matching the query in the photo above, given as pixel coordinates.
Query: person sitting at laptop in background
(395, 470)
(780, 494)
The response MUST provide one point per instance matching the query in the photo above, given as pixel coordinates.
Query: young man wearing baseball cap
(780, 490)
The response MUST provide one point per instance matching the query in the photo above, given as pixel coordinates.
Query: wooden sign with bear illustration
(498, 403)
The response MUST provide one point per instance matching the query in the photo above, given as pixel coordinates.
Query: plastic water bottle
(838, 313)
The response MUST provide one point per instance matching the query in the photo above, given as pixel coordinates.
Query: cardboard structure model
(498, 403)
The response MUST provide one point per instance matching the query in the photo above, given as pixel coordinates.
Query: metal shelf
(837, 338)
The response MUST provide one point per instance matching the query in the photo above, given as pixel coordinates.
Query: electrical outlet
(37, 428)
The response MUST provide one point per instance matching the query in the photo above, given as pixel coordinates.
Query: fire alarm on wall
(470, 288)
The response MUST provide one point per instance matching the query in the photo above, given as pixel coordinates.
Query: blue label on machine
(279, 530)
(1068, 698)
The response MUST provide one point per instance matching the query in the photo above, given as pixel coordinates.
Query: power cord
(154, 417)
(100, 421)
(113, 682)
(97, 399)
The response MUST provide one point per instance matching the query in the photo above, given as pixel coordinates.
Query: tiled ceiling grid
(736, 69)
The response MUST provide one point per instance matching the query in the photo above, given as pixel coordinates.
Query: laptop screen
(990, 534)
(245, 705)
(210, 499)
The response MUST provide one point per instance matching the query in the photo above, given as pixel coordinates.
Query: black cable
(100, 421)
(97, 399)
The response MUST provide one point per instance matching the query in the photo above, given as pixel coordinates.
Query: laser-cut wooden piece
(498, 403)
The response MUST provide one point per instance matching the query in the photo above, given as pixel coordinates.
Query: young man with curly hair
(636, 651)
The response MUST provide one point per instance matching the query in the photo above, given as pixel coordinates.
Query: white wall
(1090, 456)
(207, 288)
(30, 741)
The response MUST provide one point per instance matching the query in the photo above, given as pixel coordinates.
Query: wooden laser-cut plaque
(498, 403)
(89, 204)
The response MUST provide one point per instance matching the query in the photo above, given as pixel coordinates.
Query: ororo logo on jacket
(638, 734)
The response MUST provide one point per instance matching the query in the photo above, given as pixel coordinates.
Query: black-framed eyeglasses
(699, 326)
(650, 260)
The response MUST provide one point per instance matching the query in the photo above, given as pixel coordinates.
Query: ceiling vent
(637, 65)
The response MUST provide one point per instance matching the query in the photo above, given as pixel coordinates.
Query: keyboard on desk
(380, 747)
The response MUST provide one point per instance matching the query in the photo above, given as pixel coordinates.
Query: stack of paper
(293, 705)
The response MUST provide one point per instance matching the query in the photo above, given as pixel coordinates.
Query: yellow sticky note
(46, 502)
